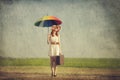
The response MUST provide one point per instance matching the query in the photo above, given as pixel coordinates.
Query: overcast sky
(90, 28)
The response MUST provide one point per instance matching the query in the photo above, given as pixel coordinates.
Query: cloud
(88, 29)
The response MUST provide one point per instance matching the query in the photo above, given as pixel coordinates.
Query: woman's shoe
(52, 75)
(55, 75)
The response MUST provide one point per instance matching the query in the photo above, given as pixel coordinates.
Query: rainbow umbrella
(48, 21)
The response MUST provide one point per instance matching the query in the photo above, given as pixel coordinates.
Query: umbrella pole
(48, 30)
(47, 35)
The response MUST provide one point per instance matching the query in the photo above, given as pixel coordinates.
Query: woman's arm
(59, 40)
(60, 44)
(48, 39)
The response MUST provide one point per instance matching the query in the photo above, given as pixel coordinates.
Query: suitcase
(60, 59)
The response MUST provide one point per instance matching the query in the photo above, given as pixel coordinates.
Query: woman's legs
(53, 65)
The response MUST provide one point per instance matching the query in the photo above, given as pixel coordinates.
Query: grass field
(69, 62)
(73, 69)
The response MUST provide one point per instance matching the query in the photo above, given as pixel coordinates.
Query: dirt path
(64, 73)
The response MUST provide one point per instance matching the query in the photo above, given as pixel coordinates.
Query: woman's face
(56, 29)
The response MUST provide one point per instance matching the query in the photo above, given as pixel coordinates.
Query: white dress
(54, 49)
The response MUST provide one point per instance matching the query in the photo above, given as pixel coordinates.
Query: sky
(90, 28)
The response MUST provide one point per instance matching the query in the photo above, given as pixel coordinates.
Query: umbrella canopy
(48, 21)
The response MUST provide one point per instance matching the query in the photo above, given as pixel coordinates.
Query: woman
(54, 42)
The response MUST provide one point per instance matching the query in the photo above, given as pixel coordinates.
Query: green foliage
(69, 62)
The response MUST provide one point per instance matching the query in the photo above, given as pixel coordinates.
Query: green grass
(69, 62)
(24, 62)
(93, 63)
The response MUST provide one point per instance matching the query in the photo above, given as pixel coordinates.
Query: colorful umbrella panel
(48, 21)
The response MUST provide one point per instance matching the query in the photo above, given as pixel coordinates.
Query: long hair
(56, 33)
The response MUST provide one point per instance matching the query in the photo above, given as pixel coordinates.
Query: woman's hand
(47, 42)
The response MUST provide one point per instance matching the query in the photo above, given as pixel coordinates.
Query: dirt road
(64, 73)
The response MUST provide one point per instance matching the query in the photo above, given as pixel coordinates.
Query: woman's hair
(56, 33)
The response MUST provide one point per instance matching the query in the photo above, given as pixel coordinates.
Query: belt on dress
(55, 43)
